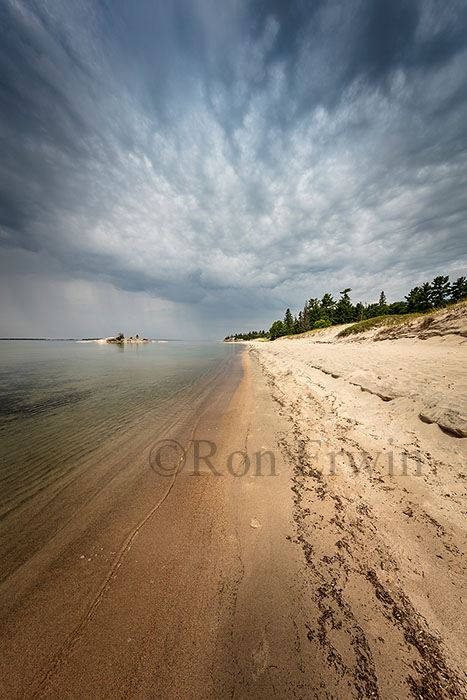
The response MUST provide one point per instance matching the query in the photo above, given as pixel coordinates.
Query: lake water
(77, 422)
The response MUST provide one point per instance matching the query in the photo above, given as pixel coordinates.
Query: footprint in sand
(255, 523)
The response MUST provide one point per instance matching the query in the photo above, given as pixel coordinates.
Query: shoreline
(253, 584)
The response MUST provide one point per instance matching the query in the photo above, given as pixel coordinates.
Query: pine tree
(301, 325)
(440, 290)
(413, 299)
(424, 297)
(372, 310)
(344, 309)
(382, 303)
(359, 311)
(459, 289)
(397, 307)
(327, 306)
(314, 312)
(288, 321)
(419, 298)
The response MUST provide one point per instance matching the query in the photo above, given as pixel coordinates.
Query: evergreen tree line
(251, 335)
(321, 313)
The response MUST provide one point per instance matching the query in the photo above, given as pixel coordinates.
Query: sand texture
(377, 442)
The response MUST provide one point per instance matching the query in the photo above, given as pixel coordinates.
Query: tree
(314, 312)
(327, 305)
(372, 310)
(120, 337)
(412, 299)
(359, 311)
(344, 310)
(459, 289)
(298, 323)
(397, 307)
(382, 303)
(424, 297)
(440, 290)
(419, 298)
(288, 321)
(277, 329)
(250, 335)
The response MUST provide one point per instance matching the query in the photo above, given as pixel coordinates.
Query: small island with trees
(120, 339)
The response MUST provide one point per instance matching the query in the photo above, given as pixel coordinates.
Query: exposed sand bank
(318, 582)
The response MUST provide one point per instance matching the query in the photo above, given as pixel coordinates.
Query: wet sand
(48, 596)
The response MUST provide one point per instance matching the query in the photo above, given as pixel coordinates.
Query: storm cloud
(226, 159)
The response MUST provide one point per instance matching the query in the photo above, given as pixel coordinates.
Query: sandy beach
(333, 569)
(376, 440)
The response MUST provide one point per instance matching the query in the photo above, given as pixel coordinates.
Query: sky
(191, 168)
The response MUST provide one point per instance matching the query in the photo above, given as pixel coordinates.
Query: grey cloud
(235, 155)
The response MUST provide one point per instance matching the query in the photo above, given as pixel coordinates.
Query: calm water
(73, 416)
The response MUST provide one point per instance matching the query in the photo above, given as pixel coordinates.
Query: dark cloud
(384, 37)
(233, 155)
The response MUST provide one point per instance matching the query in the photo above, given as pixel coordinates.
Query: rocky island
(121, 340)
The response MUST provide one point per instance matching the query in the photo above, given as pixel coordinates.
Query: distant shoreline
(96, 340)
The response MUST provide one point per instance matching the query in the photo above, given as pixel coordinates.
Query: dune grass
(306, 334)
(369, 323)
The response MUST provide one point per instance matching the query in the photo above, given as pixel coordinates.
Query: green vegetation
(249, 335)
(322, 323)
(370, 323)
(277, 329)
(120, 338)
(321, 313)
